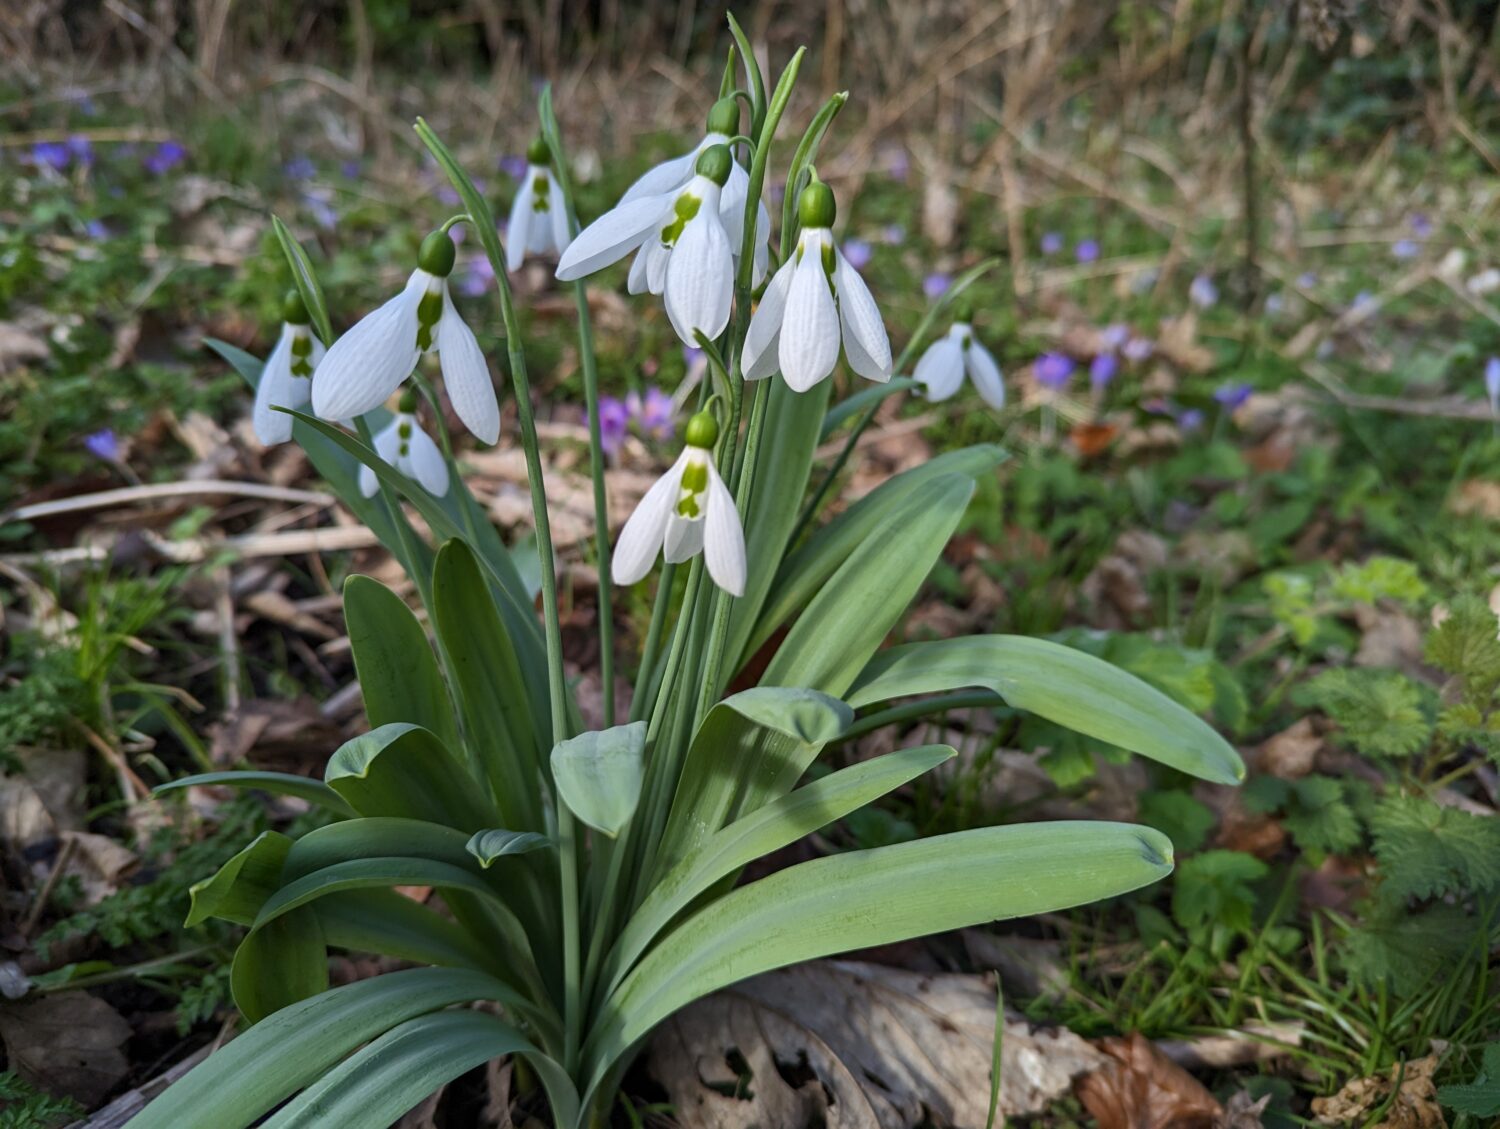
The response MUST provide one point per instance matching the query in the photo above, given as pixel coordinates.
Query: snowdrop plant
(287, 378)
(586, 877)
(942, 368)
(538, 218)
(404, 445)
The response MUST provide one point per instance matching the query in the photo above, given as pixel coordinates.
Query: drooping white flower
(942, 367)
(815, 303)
(682, 249)
(688, 510)
(364, 366)
(286, 377)
(674, 173)
(409, 449)
(538, 218)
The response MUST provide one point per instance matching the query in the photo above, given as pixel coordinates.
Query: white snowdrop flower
(538, 218)
(942, 367)
(682, 249)
(816, 302)
(364, 366)
(286, 377)
(687, 511)
(1485, 282)
(672, 174)
(409, 449)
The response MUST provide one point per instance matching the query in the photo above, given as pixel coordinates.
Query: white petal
(700, 278)
(683, 539)
(466, 374)
(387, 443)
(641, 539)
(759, 358)
(558, 209)
(518, 231)
(985, 374)
(539, 234)
(612, 236)
(732, 203)
(865, 341)
(762, 260)
(363, 367)
(424, 462)
(724, 539)
(637, 283)
(658, 255)
(275, 389)
(668, 176)
(809, 345)
(941, 369)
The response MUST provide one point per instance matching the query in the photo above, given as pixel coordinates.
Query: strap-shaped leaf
(374, 1087)
(237, 890)
(373, 836)
(281, 783)
(279, 1056)
(859, 604)
(599, 775)
(874, 897)
(752, 746)
(495, 844)
(1063, 685)
(808, 568)
(398, 674)
(391, 924)
(491, 683)
(403, 770)
(280, 963)
(775, 825)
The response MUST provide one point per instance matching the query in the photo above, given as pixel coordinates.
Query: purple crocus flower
(103, 445)
(1087, 251)
(1233, 394)
(613, 420)
(1492, 383)
(691, 355)
(1361, 300)
(448, 196)
(1137, 349)
(350, 170)
(81, 150)
(53, 155)
(1113, 336)
(1421, 225)
(894, 233)
(1102, 369)
(1406, 249)
(897, 163)
(652, 413)
(513, 166)
(1203, 292)
(935, 284)
(1190, 420)
(1054, 370)
(1052, 242)
(300, 167)
(96, 229)
(477, 276)
(858, 253)
(164, 158)
(1306, 280)
(1275, 303)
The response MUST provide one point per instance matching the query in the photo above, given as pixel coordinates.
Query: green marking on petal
(828, 262)
(429, 312)
(686, 208)
(689, 507)
(540, 201)
(403, 429)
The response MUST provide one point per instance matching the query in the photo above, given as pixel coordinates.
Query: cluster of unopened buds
(682, 222)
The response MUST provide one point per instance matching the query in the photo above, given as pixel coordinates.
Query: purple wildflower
(653, 413)
(53, 155)
(1421, 225)
(894, 233)
(613, 420)
(1102, 369)
(448, 196)
(1054, 370)
(1361, 300)
(1233, 394)
(1052, 242)
(1275, 303)
(103, 445)
(935, 284)
(1190, 420)
(1492, 383)
(1137, 349)
(319, 203)
(897, 163)
(477, 276)
(164, 158)
(1087, 251)
(1113, 336)
(300, 167)
(1203, 292)
(81, 150)
(513, 166)
(858, 252)
(96, 229)
(1306, 280)
(350, 170)
(1406, 249)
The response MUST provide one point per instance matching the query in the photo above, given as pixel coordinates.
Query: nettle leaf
(1481, 1097)
(1402, 951)
(1215, 888)
(1320, 812)
(1467, 643)
(1179, 817)
(1428, 851)
(599, 775)
(1379, 711)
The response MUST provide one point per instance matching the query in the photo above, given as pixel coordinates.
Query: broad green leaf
(856, 608)
(398, 674)
(403, 770)
(372, 836)
(491, 684)
(751, 747)
(874, 897)
(281, 783)
(279, 1056)
(599, 775)
(241, 886)
(305, 279)
(380, 1082)
(808, 568)
(775, 825)
(497, 843)
(1065, 686)
(279, 964)
(391, 924)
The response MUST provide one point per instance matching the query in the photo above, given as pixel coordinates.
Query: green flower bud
(437, 254)
(294, 309)
(725, 117)
(538, 152)
(714, 163)
(408, 402)
(703, 431)
(816, 207)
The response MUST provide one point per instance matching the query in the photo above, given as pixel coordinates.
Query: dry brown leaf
(1415, 1106)
(1477, 496)
(1223, 557)
(1291, 753)
(96, 863)
(19, 345)
(67, 1044)
(1177, 341)
(1141, 1088)
(855, 1046)
(1390, 638)
(1117, 585)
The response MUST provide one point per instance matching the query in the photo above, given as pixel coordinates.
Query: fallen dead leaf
(855, 1046)
(1415, 1106)
(1117, 584)
(1291, 753)
(68, 1044)
(1390, 638)
(1479, 497)
(96, 863)
(1141, 1088)
(1177, 341)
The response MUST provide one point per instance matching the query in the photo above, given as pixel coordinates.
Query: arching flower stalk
(687, 511)
(286, 378)
(538, 217)
(367, 364)
(816, 303)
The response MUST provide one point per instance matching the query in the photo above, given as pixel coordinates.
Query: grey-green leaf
(497, 843)
(599, 775)
(403, 770)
